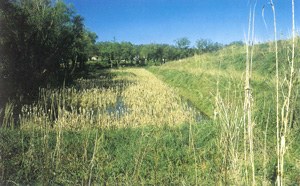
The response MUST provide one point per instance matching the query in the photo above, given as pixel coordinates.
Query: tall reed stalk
(279, 176)
(286, 108)
(248, 124)
(8, 115)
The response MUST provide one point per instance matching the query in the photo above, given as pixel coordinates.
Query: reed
(137, 100)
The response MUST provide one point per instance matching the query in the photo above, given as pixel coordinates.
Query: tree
(90, 42)
(40, 42)
(207, 45)
(127, 52)
(114, 52)
(237, 43)
(183, 43)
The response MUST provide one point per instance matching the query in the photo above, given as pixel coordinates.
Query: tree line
(125, 53)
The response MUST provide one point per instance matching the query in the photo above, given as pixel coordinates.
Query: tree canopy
(40, 41)
(207, 45)
(183, 43)
(115, 52)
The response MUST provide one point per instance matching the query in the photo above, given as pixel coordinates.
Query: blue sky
(163, 21)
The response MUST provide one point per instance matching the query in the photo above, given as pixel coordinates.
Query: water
(118, 109)
(199, 116)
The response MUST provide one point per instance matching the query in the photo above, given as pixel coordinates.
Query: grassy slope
(198, 78)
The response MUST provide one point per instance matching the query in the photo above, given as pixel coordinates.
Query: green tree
(207, 45)
(183, 43)
(127, 51)
(40, 42)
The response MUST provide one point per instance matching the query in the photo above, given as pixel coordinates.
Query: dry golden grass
(154, 101)
(140, 99)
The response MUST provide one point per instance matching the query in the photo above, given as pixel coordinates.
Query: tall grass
(248, 121)
(137, 99)
(71, 135)
(268, 152)
(229, 120)
(283, 124)
(8, 115)
(158, 155)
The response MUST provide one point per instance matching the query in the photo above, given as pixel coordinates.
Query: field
(181, 123)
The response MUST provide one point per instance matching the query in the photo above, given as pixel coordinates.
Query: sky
(164, 21)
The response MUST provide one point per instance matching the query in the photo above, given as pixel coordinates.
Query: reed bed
(135, 131)
(135, 99)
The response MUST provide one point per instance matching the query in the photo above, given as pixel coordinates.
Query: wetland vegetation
(80, 112)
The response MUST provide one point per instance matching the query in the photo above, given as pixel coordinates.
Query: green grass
(148, 155)
(131, 156)
(199, 78)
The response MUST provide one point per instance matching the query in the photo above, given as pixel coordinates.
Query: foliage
(126, 53)
(40, 42)
(206, 45)
(183, 43)
(237, 43)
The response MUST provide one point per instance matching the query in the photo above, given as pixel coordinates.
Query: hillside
(215, 84)
(198, 78)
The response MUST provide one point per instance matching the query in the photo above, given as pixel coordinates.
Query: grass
(116, 126)
(126, 126)
(145, 155)
(214, 83)
(196, 78)
(126, 98)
